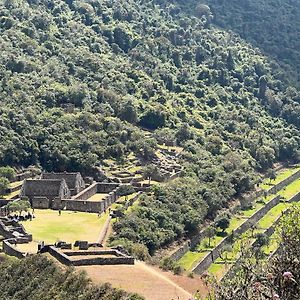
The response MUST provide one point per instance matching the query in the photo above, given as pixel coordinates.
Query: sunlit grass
(48, 226)
(283, 174)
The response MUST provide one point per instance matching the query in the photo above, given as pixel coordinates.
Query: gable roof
(42, 187)
(70, 178)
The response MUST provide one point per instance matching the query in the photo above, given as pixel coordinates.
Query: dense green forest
(127, 66)
(37, 277)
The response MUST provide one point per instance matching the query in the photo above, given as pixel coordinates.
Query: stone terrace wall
(215, 253)
(179, 253)
(268, 232)
(284, 183)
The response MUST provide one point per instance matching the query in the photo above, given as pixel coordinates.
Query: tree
(19, 205)
(129, 113)
(151, 171)
(271, 174)
(7, 172)
(223, 223)
(210, 233)
(4, 183)
(153, 118)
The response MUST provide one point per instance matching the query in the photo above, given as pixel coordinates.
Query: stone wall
(66, 258)
(87, 193)
(179, 253)
(82, 206)
(215, 253)
(9, 249)
(40, 202)
(284, 183)
(97, 187)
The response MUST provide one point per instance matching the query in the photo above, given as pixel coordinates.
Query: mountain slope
(81, 80)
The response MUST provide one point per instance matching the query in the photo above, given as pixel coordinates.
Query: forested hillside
(273, 26)
(37, 277)
(127, 66)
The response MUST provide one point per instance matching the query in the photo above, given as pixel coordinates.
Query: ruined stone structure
(45, 188)
(43, 193)
(48, 191)
(74, 181)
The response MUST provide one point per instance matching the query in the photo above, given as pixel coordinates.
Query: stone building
(74, 181)
(43, 192)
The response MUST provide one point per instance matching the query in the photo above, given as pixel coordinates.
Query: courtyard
(50, 227)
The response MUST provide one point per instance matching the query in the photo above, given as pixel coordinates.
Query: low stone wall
(66, 258)
(284, 183)
(268, 232)
(215, 253)
(61, 257)
(9, 249)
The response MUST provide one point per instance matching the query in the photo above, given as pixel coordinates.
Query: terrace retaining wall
(215, 253)
(268, 232)
(180, 252)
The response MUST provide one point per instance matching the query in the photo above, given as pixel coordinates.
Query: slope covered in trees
(37, 277)
(273, 26)
(129, 65)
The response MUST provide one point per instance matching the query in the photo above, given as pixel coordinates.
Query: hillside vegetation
(127, 66)
(37, 277)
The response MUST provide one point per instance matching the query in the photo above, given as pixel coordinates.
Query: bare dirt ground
(150, 282)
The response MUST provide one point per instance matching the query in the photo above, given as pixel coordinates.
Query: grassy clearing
(48, 226)
(272, 215)
(283, 174)
(290, 190)
(15, 183)
(189, 260)
(11, 195)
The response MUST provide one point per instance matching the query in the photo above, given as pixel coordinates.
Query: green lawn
(290, 190)
(48, 226)
(283, 174)
(11, 195)
(272, 215)
(189, 260)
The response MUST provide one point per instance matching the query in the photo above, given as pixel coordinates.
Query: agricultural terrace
(50, 227)
(232, 253)
(191, 258)
(282, 175)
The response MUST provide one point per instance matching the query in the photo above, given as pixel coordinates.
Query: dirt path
(145, 280)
